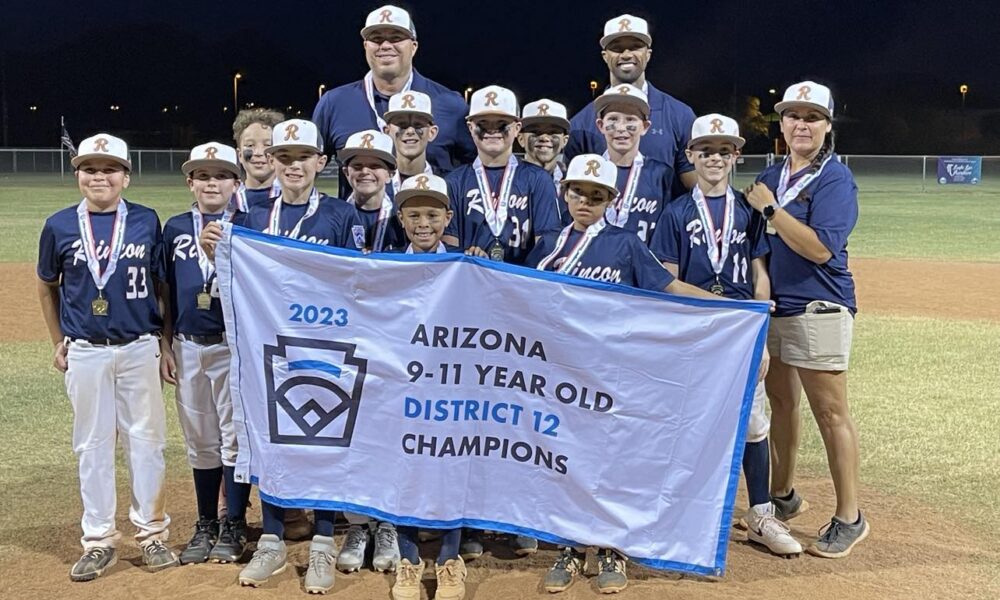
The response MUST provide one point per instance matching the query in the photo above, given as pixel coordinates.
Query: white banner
(443, 390)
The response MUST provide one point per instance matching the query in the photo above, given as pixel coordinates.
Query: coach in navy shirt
(626, 50)
(390, 41)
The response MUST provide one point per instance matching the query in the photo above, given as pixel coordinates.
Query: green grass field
(925, 392)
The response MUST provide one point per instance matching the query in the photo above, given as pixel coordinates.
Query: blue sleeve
(321, 117)
(581, 141)
(157, 262)
(834, 209)
(564, 217)
(169, 271)
(544, 206)
(455, 227)
(49, 266)
(464, 150)
(758, 241)
(683, 123)
(649, 273)
(666, 241)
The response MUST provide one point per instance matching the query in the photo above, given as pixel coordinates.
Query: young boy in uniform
(643, 183)
(501, 204)
(712, 238)
(544, 133)
(252, 134)
(592, 248)
(424, 211)
(196, 357)
(99, 263)
(368, 163)
(410, 124)
(301, 212)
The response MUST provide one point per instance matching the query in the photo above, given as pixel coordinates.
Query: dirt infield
(910, 553)
(899, 287)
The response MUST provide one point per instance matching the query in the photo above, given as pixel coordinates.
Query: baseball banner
(960, 169)
(442, 390)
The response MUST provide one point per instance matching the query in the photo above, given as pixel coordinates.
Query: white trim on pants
(204, 404)
(115, 392)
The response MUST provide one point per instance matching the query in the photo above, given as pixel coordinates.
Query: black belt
(107, 341)
(203, 340)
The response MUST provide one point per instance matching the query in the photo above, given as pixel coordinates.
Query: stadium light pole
(963, 89)
(236, 92)
(468, 92)
(319, 90)
(593, 88)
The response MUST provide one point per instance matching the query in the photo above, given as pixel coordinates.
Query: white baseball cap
(102, 145)
(807, 94)
(389, 16)
(626, 26)
(368, 143)
(212, 155)
(544, 112)
(592, 168)
(716, 127)
(625, 93)
(493, 100)
(295, 133)
(409, 103)
(424, 185)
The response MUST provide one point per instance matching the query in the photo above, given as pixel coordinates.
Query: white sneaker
(386, 555)
(352, 554)
(764, 528)
(269, 559)
(320, 574)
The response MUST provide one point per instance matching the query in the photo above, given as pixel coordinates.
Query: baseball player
(424, 210)
(501, 204)
(410, 124)
(368, 160)
(390, 42)
(252, 134)
(713, 239)
(99, 264)
(544, 132)
(626, 48)
(643, 182)
(810, 202)
(196, 357)
(303, 213)
(592, 248)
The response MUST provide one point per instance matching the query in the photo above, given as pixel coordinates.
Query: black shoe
(206, 533)
(94, 563)
(232, 542)
(562, 574)
(523, 545)
(471, 547)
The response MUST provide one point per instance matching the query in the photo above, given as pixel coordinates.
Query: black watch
(769, 210)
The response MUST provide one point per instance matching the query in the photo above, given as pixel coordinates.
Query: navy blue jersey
(665, 141)
(258, 196)
(130, 293)
(345, 110)
(185, 277)
(614, 256)
(652, 194)
(828, 205)
(680, 239)
(335, 222)
(531, 210)
(394, 234)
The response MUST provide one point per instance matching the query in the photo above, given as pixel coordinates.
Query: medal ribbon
(397, 179)
(90, 245)
(207, 267)
(617, 213)
(557, 177)
(369, 85)
(381, 223)
(786, 194)
(495, 208)
(577, 252)
(275, 220)
(718, 251)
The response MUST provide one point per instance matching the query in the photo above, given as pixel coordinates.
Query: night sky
(895, 67)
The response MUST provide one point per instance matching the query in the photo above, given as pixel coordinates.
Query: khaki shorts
(813, 340)
(760, 423)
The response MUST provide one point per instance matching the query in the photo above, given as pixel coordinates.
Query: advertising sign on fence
(960, 169)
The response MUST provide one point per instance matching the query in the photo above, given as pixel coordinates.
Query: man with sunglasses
(626, 49)
(390, 41)
(502, 204)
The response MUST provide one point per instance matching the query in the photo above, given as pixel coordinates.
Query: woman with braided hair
(810, 202)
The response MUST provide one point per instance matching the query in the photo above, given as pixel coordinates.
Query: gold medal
(717, 289)
(496, 251)
(99, 307)
(204, 301)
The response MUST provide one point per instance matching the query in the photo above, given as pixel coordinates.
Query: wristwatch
(769, 210)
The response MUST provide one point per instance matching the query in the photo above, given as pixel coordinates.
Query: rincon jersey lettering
(335, 222)
(613, 256)
(645, 199)
(130, 294)
(680, 239)
(531, 209)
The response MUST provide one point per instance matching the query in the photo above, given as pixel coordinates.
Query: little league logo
(313, 391)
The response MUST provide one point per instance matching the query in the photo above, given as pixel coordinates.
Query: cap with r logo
(626, 26)
(807, 94)
(593, 169)
(212, 155)
(103, 145)
(716, 127)
(409, 103)
(544, 112)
